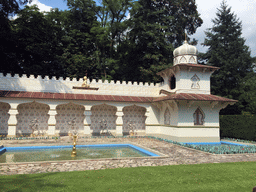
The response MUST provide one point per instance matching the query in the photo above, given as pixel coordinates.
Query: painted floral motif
(4, 117)
(106, 112)
(68, 112)
(134, 115)
(28, 112)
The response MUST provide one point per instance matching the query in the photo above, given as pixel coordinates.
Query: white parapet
(46, 84)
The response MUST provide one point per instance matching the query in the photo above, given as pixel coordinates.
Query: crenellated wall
(40, 84)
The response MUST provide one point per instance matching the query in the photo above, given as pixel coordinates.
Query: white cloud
(41, 6)
(245, 11)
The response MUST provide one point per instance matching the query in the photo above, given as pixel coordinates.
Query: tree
(7, 55)
(156, 26)
(228, 51)
(247, 99)
(110, 33)
(78, 42)
(37, 43)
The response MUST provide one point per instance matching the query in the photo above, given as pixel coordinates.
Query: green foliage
(238, 126)
(228, 51)
(37, 42)
(98, 40)
(155, 26)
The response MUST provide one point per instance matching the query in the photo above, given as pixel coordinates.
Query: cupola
(185, 54)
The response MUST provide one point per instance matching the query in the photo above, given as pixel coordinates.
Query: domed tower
(185, 54)
(186, 75)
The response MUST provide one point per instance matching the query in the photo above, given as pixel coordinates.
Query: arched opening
(167, 117)
(103, 113)
(198, 117)
(172, 82)
(135, 116)
(65, 114)
(4, 117)
(29, 112)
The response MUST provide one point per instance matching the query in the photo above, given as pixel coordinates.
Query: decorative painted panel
(28, 112)
(68, 112)
(4, 117)
(103, 112)
(134, 115)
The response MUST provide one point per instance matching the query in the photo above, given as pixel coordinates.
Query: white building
(181, 107)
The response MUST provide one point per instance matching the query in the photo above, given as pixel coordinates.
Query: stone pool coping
(174, 155)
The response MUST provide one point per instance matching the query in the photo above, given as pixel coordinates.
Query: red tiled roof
(72, 96)
(194, 97)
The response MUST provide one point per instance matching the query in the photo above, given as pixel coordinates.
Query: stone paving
(171, 154)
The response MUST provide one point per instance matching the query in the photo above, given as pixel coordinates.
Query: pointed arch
(198, 116)
(172, 82)
(66, 113)
(100, 112)
(167, 116)
(28, 112)
(195, 82)
(4, 117)
(183, 60)
(135, 115)
(192, 59)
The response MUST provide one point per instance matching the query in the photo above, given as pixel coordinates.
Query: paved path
(171, 155)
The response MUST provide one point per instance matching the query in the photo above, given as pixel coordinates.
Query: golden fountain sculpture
(72, 124)
(73, 153)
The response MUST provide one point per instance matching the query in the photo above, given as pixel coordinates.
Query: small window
(173, 82)
(198, 117)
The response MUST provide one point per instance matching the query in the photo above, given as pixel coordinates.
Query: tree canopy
(228, 51)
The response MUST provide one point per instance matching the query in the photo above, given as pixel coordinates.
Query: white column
(87, 122)
(119, 121)
(149, 129)
(52, 121)
(12, 122)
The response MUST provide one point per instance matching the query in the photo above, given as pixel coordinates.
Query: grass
(239, 176)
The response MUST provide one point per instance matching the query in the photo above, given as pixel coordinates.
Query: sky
(244, 9)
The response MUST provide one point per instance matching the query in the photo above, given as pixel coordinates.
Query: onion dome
(185, 49)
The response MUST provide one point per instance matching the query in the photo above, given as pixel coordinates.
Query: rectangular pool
(56, 153)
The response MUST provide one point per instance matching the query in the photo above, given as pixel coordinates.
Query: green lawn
(235, 177)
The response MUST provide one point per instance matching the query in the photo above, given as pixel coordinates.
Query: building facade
(180, 107)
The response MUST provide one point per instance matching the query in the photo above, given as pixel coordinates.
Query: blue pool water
(53, 153)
